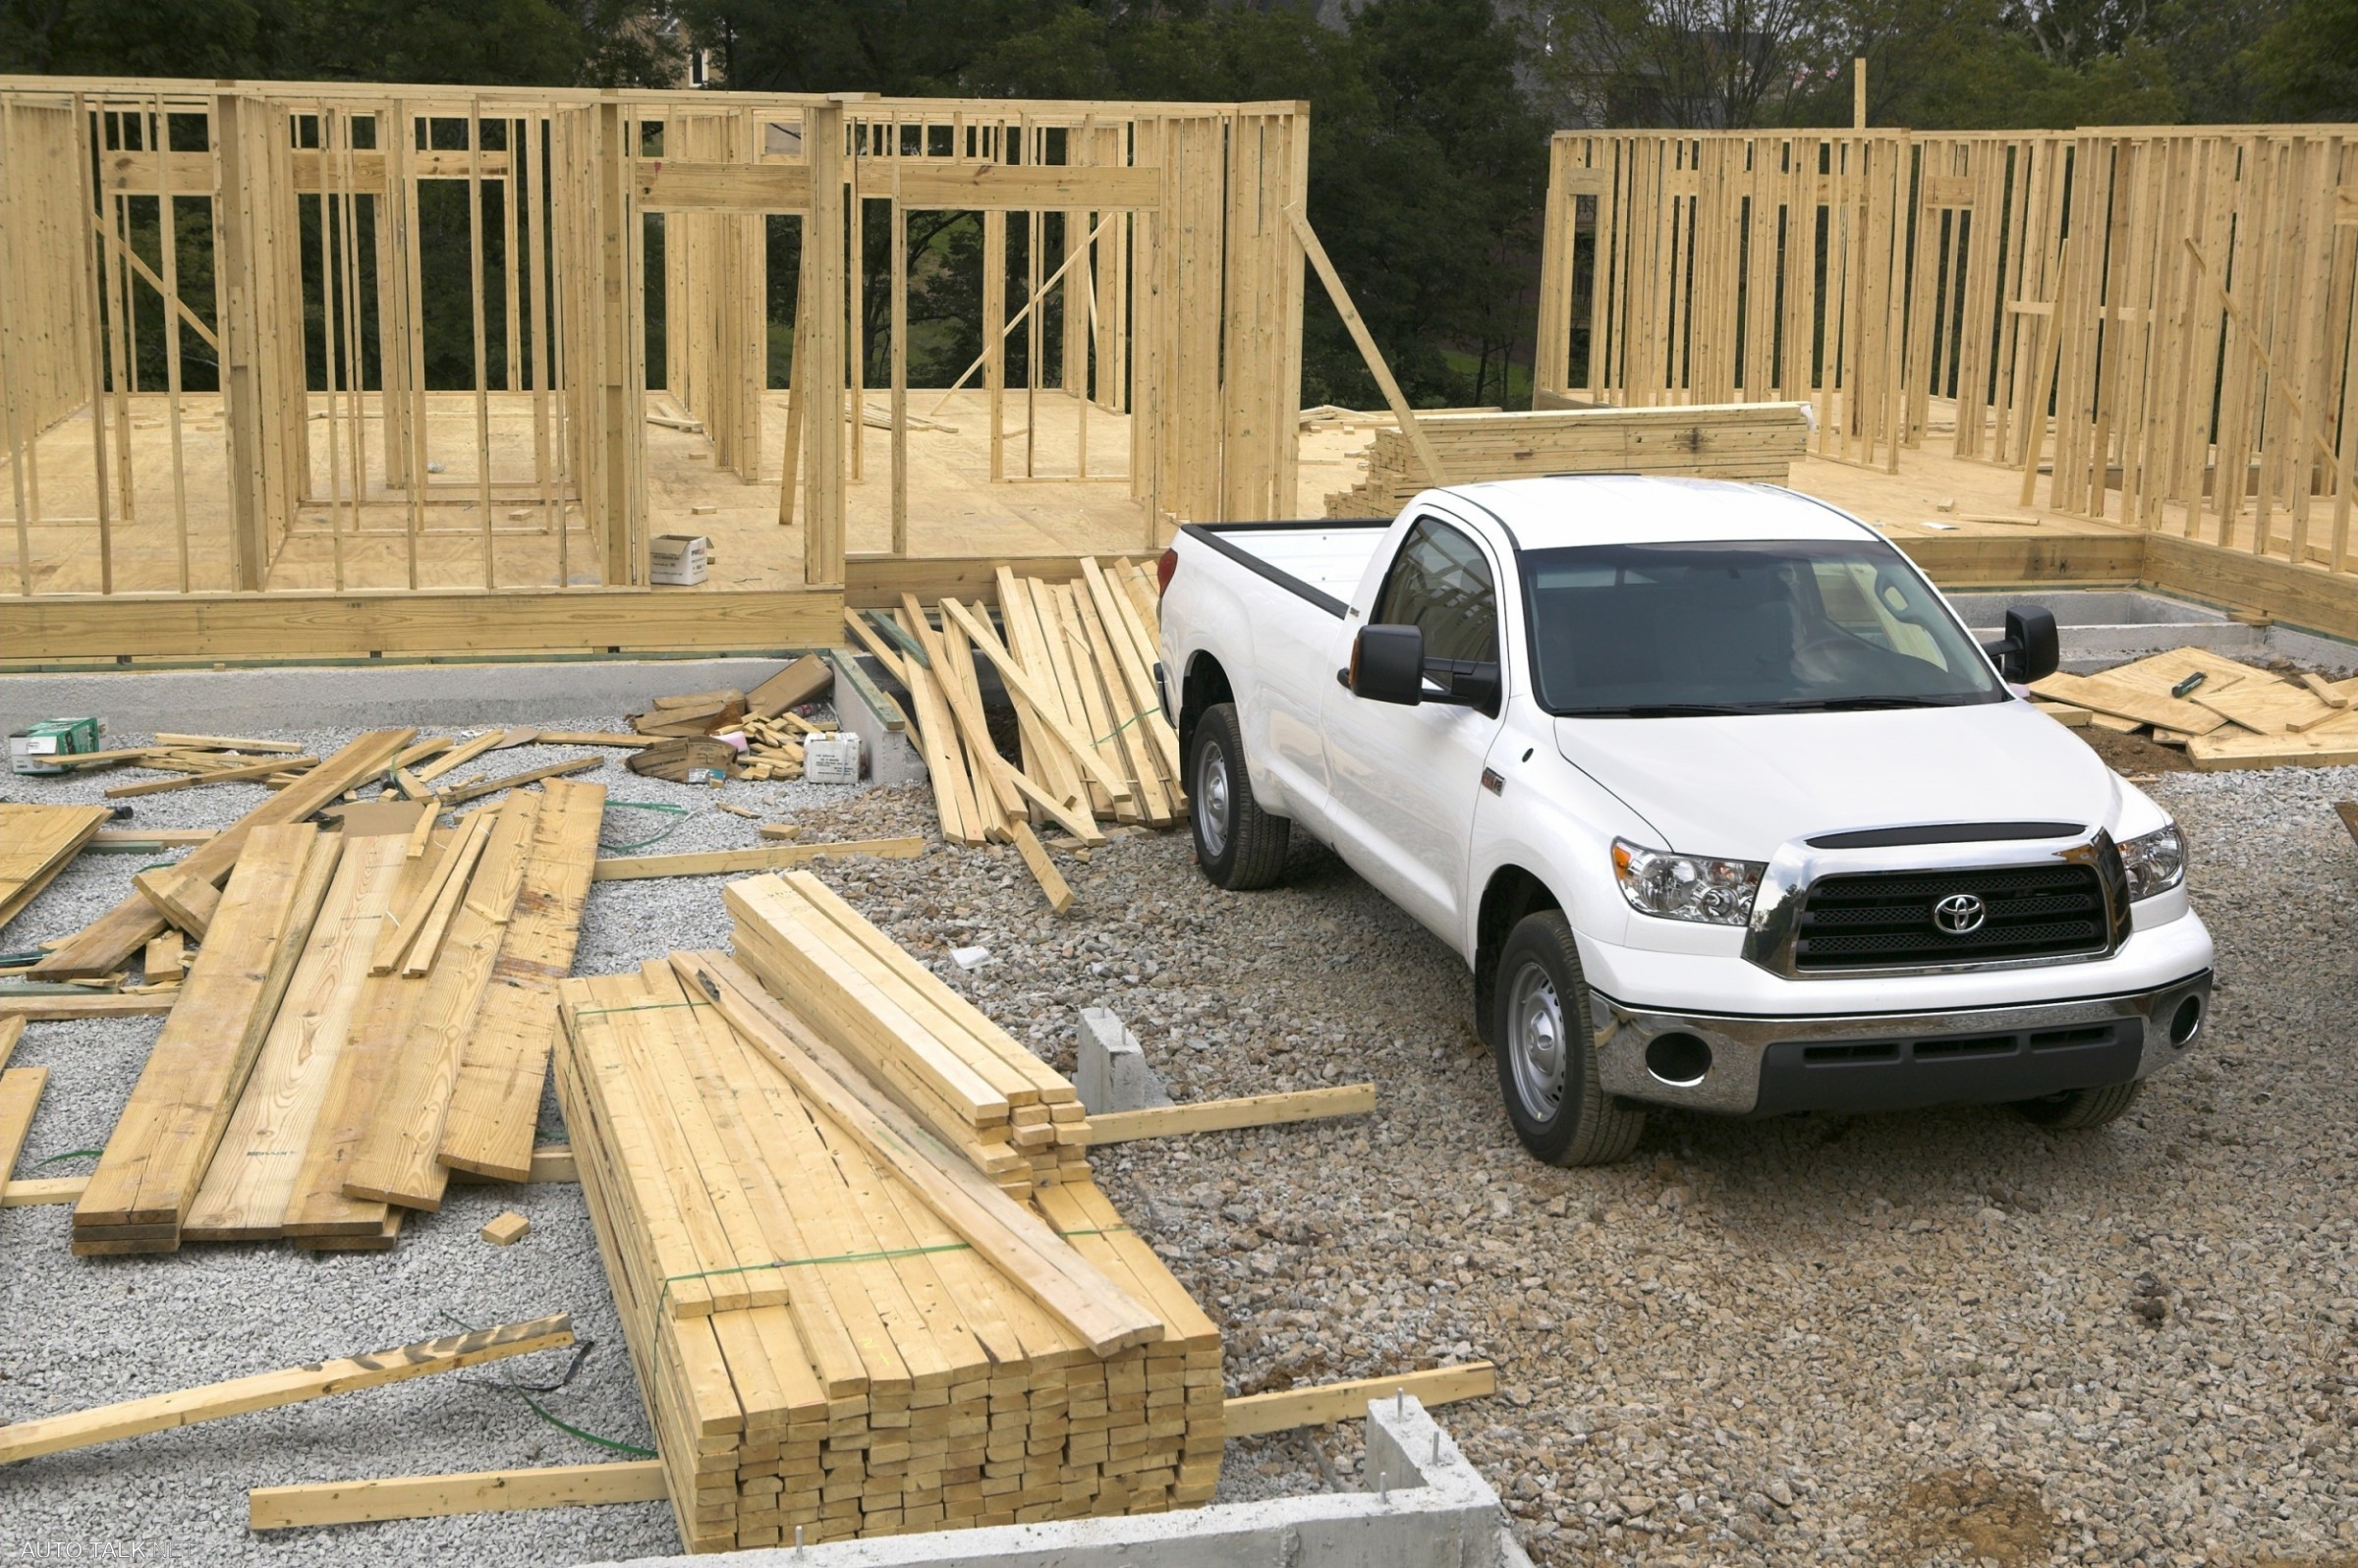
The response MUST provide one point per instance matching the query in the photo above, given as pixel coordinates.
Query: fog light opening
(1678, 1060)
(2187, 1021)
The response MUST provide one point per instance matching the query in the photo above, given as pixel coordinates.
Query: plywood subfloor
(339, 544)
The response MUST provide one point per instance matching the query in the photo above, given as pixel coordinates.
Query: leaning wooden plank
(1256, 1414)
(1011, 1238)
(760, 858)
(12, 1030)
(19, 1098)
(163, 1142)
(44, 1189)
(496, 1106)
(798, 682)
(485, 1491)
(399, 931)
(1043, 871)
(530, 776)
(1216, 1115)
(102, 946)
(395, 1160)
(451, 760)
(220, 775)
(54, 1009)
(86, 1428)
(2347, 811)
(425, 945)
(1018, 685)
(36, 842)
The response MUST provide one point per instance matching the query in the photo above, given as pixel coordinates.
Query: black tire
(1239, 846)
(1539, 1035)
(2078, 1108)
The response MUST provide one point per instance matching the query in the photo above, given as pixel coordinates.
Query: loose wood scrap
(507, 1229)
(60, 1006)
(403, 930)
(156, 1158)
(102, 946)
(798, 682)
(1216, 1115)
(503, 1064)
(19, 1096)
(36, 842)
(84, 1429)
(760, 858)
(530, 776)
(1256, 1414)
(904, 1382)
(42, 1191)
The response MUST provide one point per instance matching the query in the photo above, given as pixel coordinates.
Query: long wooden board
(351, 1502)
(84, 1429)
(1256, 1414)
(495, 1104)
(255, 1175)
(1216, 1115)
(156, 1158)
(102, 947)
(760, 858)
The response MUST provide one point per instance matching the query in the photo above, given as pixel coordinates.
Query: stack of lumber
(839, 1327)
(36, 842)
(1756, 441)
(369, 1010)
(1077, 660)
(1006, 1112)
(2237, 715)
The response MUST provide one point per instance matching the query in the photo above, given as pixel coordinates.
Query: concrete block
(1425, 1507)
(1114, 1074)
(891, 758)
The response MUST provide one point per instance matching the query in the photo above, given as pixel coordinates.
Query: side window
(1442, 582)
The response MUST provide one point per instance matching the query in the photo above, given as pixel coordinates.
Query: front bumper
(1893, 1061)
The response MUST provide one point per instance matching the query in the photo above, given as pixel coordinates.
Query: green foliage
(2306, 66)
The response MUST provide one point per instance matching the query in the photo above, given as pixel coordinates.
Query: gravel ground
(1941, 1339)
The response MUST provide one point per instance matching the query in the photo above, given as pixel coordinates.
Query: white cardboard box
(831, 758)
(678, 560)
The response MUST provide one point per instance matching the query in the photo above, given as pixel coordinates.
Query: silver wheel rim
(1537, 1044)
(1212, 800)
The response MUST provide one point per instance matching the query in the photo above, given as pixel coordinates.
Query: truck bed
(1323, 561)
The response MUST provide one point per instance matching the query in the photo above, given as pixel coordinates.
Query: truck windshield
(1645, 631)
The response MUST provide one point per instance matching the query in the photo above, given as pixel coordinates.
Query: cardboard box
(831, 758)
(678, 560)
(30, 749)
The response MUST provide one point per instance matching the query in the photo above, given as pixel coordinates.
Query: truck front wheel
(1239, 846)
(1547, 1065)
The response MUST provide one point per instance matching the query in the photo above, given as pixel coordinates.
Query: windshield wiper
(1859, 704)
(1673, 710)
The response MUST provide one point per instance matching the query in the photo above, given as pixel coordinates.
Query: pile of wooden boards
(764, 735)
(1755, 441)
(1077, 660)
(2234, 715)
(839, 1325)
(36, 842)
(1006, 1112)
(369, 1009)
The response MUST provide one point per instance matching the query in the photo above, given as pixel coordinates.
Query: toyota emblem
(1960, 913)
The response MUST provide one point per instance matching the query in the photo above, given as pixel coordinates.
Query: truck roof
(1575, 508)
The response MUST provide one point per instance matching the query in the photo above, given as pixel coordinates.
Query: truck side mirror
(2031, 651)
(1387, 664)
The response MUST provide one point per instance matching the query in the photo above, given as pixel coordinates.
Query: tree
(2306, 66)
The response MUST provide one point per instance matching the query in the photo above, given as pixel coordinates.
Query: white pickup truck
(1709, 787)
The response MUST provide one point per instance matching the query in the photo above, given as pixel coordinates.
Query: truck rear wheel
(1239, 846)
(2082, 1107)
(1546, 1066)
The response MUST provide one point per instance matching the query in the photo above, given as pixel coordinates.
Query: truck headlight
(2156, 861)
(1686, 887)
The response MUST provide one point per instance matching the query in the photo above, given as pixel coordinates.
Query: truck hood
(1741, 786)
